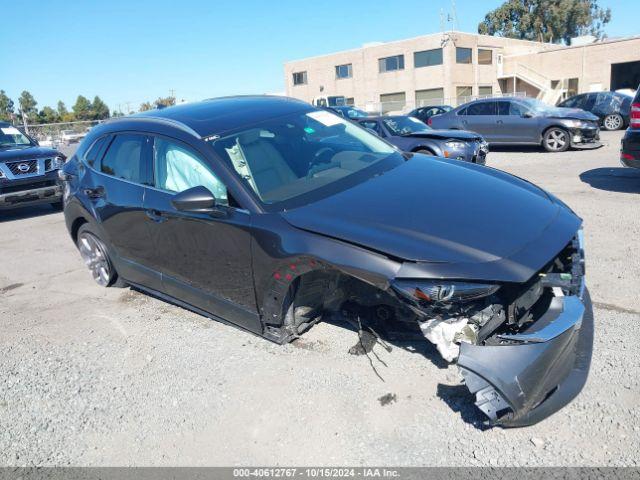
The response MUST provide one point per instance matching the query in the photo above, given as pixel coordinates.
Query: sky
(138, 50)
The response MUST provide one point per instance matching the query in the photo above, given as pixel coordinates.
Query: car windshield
(302, 157)
(12, 137)
(405, 125)
(536, 106)
(355, 113)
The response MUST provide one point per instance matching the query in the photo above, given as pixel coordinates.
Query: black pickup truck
(28, 172)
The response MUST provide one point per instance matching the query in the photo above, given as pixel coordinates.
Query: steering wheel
(323, 155)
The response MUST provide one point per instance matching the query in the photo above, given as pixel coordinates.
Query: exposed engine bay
(456, 316)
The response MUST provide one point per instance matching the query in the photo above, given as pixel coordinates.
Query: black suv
(630, 153)
(272, 215)
(28, 172)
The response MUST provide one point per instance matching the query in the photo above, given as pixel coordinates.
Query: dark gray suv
(514, 120)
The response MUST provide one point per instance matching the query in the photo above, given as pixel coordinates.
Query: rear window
(125, 159)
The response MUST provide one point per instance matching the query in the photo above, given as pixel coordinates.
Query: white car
(71, 136)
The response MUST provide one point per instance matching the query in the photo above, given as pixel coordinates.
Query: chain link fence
(58, 134)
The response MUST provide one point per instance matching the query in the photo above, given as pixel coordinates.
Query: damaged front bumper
(539, 371)
(525, 352)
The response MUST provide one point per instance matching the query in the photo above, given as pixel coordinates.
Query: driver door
(204, 259)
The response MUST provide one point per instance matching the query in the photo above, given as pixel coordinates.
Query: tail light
(429, 120)
(634, 121)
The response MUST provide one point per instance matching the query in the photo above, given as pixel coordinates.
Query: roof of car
(218, 115)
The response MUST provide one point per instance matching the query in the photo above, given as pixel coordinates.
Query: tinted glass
(485, 57)
(178, 168)
(11, 136)
(511, 108)
(391, 63)
(427, 58)
(463, 55)
(573, 102)
(294, 155)
(589, 101)
(482, 108)
(371, 125)
(343, 71)
(95, 152)
(125, 159)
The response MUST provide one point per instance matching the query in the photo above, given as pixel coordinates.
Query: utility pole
(128, 107)
(172, 93)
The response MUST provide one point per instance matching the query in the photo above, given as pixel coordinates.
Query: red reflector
(429, 121)
(635, 115)
(420, 295)
(626, 156)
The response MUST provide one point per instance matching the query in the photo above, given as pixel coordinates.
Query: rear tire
(95, 255)
(556, 139)
(613, 121)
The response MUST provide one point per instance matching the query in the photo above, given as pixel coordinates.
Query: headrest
(249, 137)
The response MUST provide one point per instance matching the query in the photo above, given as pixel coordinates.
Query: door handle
(500, 122)
(93, 193)
(155, 215)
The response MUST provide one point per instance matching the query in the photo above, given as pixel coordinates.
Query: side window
(125, 159)
(482, 108)
(96, 151)
(503, 107)
(517, 109)
(588, 101)
(463, 111)
(178, 168)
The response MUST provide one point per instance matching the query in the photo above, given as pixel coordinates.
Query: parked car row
(611, 108)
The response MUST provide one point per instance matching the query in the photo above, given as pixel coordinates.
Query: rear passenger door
(115, 188)
(482, 118)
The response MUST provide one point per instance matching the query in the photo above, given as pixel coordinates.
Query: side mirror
(527, 115)
(196, 200)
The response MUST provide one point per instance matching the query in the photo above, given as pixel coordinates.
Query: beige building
(454, 67)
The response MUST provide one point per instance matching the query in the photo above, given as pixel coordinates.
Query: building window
(572, 87)
(463, 55)
(390, 64)
(485, 57)
(350, 101)
(485, 91)
(344, 71)
(300, 78)
(427, 97)
(427, 58)
(463, 92)
(390, 102)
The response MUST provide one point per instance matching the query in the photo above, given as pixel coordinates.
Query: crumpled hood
(574, 113)
(26, 153)
(446, 212)
(444, 134)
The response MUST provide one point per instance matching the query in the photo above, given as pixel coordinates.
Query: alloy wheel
(557, 139)
(96, 259)
(612, 122)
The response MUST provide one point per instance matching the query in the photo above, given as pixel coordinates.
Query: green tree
(165, 102)
(6, 106)
(48, 115)
(62, 109)
(99, 109)
(82, 108)
(28, 105)
(146, 106)
(546, 20)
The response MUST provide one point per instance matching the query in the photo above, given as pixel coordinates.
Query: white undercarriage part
(446, 335)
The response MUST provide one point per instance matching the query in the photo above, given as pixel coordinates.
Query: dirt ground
(93, 376)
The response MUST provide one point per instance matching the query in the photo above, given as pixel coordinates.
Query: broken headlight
(435, 292)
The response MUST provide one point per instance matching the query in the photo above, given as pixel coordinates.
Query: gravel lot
(92, 376)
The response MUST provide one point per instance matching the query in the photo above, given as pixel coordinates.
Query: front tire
(556, 140)
(613, 121)
(424, 151)
(94, 253)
